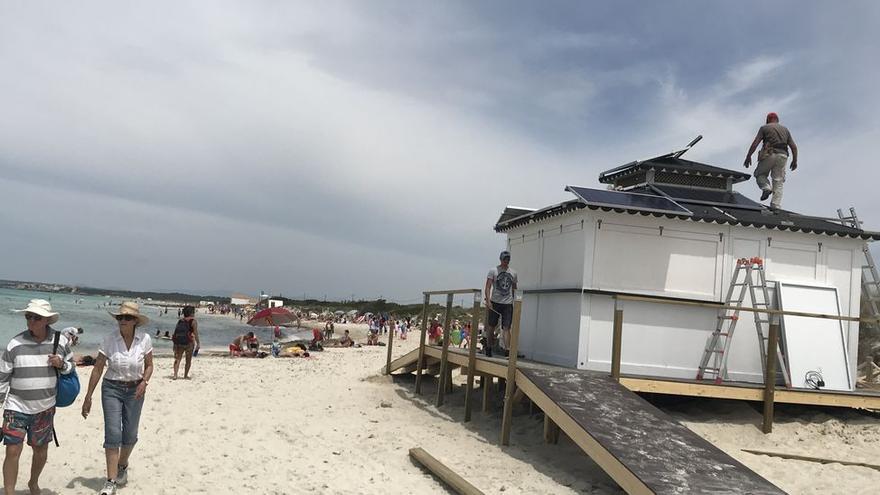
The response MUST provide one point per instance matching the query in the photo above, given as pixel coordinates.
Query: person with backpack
(186, 340)
(29, 371)
(128, 356)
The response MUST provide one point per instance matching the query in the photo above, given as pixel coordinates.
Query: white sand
(319, 425)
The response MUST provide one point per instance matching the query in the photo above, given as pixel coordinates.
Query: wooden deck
(643, 449)
(860, 399)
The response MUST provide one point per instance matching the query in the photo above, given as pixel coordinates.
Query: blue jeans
(122, 412)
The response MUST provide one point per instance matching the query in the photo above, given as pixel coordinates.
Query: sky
(366, 149)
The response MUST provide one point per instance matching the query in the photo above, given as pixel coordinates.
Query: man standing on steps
(500, 290)
(772, 157)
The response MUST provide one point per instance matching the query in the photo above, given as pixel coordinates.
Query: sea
(91, 313)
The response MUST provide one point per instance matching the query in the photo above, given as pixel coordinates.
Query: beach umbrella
(272, 317)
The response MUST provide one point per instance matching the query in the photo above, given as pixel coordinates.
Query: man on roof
(772, 158)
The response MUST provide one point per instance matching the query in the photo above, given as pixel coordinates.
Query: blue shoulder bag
(68, 385)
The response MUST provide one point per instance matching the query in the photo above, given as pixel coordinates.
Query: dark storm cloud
(368, 147)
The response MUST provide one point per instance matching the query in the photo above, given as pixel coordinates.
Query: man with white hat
(28, 376)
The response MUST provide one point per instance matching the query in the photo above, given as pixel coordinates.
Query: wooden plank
(551, 430)
(616, 343)
(510, 378)
(770, 377)
(424, 331)
(451, 291)
(390, 346)
(410, 358)
(751, 392)
(642, 448)
(753, 310)
(444, 357)
(472, 357)
(820, 460)
(450, 477)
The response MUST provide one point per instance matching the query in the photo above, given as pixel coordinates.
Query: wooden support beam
(616, 343)
(551, 430)
(472, 357)
(444, 358)
(450, 477)
(424, 331)
(511, 373)
(487, 394)
(820, 460)
(390, 346)
(451, 291)
(770, 377)
(780, 312)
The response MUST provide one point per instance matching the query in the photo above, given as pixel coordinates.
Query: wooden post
(770, 377)
(551, 430)
(472, 357)
(511, 374)
(486, 383)
(421, 362)
(616, 343)
(444, 356)
(390, 345)
(457, 483)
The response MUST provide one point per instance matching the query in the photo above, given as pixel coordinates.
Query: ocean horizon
(91, 313)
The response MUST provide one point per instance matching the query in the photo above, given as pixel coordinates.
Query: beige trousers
(773, 166)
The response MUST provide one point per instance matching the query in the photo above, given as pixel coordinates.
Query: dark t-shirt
(776, 138)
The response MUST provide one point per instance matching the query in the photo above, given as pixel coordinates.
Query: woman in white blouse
(128, 356)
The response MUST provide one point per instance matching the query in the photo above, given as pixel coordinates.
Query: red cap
(772, 116)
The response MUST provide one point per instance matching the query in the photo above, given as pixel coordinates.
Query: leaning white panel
(814, 344)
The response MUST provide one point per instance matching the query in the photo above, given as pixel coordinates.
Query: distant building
(206, 304)
(276, 303)
(242, 300)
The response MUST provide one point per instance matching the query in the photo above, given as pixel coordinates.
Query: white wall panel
(793, 261)
(639, 259)
(557, 330)
(563, 256)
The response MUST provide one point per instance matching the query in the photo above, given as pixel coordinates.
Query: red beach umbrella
(271, 317)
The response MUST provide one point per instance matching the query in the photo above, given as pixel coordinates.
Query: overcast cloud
(367, 148)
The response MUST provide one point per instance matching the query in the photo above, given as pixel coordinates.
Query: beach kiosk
(671, 228)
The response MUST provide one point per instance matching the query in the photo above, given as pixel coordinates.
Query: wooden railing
(772, 340)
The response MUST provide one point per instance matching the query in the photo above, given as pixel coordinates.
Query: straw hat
(131, 308)
(40, 307)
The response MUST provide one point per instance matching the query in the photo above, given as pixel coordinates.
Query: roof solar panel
(626, 200)
(708, 197)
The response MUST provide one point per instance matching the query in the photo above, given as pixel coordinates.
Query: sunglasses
(32, 317)
(125, 318)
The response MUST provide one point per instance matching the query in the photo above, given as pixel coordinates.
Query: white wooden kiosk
(672, 228)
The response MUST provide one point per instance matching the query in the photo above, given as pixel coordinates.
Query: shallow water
(90, 313)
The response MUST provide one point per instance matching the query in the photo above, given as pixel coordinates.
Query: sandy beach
(332, 424)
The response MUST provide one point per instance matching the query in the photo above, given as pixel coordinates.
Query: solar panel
(712, 198)
(632, 201)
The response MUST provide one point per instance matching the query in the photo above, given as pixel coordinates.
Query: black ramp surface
(662, 453)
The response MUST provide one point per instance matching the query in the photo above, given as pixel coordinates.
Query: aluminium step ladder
(870, 285)
(748, 275)
(870, 277)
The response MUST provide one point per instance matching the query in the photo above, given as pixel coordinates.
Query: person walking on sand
(772, 158)
(28, 377)
(186, 340)
(128, 355)
(500, 292)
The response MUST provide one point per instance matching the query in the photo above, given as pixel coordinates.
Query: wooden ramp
(640, 446)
